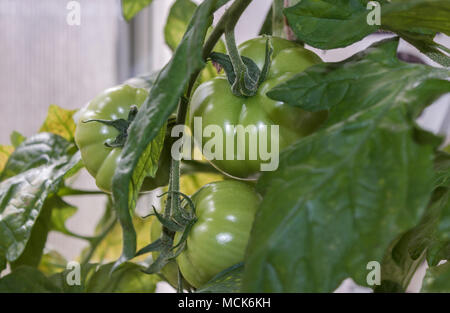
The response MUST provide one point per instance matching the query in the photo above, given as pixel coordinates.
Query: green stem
(238, 65)
(229, 19)
(67, 191)
(191, 166)
(72, 234)
(175, 185)
(278, 19)
(97, 240)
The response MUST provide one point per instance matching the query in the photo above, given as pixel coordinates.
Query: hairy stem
(238, 65)
(175, 163)
(228, 20)
(175, 185)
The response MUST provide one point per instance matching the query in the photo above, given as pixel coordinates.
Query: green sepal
(154, 246)
(159, 263)
(267, 62)
(224, 61)
(121, 125)
(175, 254)
(248, 82)
(167, 223)
(186, 231)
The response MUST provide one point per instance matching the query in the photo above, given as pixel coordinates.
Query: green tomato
(101, 161)
(215, 103)
(225, 212)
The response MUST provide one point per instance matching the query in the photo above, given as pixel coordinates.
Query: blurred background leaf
(60, 122)
(132, 7)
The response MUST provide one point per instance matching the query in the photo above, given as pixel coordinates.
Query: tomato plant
(360, 187)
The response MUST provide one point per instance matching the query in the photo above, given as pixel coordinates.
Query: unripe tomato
(214, 102)
(225, 212)
(100, 160)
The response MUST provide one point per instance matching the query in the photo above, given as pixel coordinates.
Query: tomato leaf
(439, 243)
(126, 202)
(439, 248)
(37, 167)
(442, 168)
(227, 281)
(60, 122)
(34, 248)
(346, 192)
(437, 279)
(53, 216)
(38, 150)
(407, 253)
(447, 149)
(398, 265)
(149, 122)
(429, 238)
(27, 280)
(5, 152)
(52, 262)
(177, 22)
(417, 16)
(329, 24)
(17, 138)
(132, 7)
(370, 76)
(143, 81)
(128, 278)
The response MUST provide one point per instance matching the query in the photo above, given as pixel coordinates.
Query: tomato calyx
(182, 220)
(242, 72)
(121, 125)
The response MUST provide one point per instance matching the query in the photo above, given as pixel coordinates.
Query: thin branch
(97, 240)
(228, 20)
(278, 19)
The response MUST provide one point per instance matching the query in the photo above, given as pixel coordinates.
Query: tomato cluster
(225, 210)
